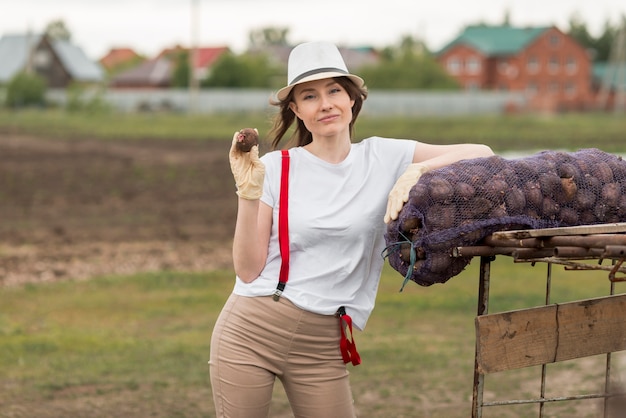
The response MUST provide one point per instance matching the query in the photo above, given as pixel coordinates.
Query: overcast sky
(151, 25)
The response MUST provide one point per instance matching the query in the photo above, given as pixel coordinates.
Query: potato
(569, 216)
(515, 200)
(602, 171)
(533, 194)
(568, 189)
(440, 190)
(611, 193)
(246, 139)
(440, 216)
(549, 207)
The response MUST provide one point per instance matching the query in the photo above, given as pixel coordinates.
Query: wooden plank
(566, 230)
(592, 326)
(552, 333)
(516, 339)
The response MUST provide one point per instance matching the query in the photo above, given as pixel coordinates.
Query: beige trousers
(256, 339)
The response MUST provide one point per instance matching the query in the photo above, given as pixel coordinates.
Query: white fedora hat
(314, 61)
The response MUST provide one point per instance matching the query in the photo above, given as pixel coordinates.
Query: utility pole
(193, 58)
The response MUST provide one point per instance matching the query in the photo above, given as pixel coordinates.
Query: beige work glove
(399, 194)
(248, 171)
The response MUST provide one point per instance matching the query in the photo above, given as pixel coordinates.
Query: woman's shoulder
(271, 156)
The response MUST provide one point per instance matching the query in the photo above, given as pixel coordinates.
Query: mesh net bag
(460, 204)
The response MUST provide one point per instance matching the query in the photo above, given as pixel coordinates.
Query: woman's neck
(333, 150)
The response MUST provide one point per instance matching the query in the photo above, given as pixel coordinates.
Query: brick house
(60, 63)
(552, 68)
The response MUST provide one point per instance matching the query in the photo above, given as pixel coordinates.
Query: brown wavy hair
(301, 135)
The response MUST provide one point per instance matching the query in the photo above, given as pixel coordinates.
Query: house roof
(155, 72)
(206, 56)
(611, 74)
(117, 56)
(14, 51)
(496, 40)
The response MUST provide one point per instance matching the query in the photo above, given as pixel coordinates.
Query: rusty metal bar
(578, 252)
(544, 367)
(493, 241)
(607, 375)
(481, 250)
(587, 241)
(526, 253)
(615, 251)
(483, 309)
(552, 399)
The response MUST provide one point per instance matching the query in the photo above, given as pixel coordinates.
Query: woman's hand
(248, 171)
(399, 194)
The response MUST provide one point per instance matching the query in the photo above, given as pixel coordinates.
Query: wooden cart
(553, 332)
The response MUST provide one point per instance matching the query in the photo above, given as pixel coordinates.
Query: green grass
(501, 132)
(140, 344)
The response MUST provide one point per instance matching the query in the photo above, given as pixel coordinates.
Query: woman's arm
(251, 239)
(437, 156)
(428, 157)
(254, 218)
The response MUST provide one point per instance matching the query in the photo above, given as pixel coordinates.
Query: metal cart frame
(577, 248)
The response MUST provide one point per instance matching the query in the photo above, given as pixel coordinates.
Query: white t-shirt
(336, 228)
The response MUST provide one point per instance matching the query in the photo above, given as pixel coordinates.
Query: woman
(340, 195)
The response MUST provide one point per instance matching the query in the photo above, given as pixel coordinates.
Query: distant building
(552, 68)
(355, 58)
(157, 72)
(59, 62)
(119, 58)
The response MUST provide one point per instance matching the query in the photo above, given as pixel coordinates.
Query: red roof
(118, 56)
(206, 55)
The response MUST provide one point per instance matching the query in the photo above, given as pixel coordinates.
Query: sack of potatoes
(460, 204)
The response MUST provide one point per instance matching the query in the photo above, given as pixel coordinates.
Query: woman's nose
(326, 102)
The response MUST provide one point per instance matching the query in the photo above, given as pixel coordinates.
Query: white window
(41, 58)
(571, 65)
(554, 64)
(454, 65)
(503, 66)
(554, 40)
(532, 64)
(473, 65)
(532, 88)
(570, 89)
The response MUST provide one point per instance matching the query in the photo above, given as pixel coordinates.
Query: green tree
(408, 66)
(601, 46)
(268, 36)
(26, 89)
(245, 70)
(578, 31)
(180, 75)
(58, 30)
(604, 43)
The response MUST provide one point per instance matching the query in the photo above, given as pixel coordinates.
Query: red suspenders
(347, 346)
(283, 226)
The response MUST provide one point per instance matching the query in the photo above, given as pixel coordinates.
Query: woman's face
(324, 107)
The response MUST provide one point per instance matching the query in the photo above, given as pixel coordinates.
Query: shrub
(26, 89)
